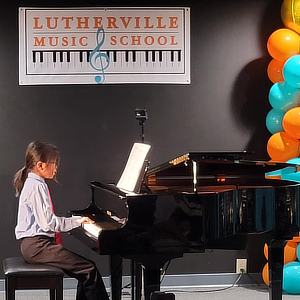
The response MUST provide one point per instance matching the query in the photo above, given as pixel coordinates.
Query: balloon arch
(283, 120)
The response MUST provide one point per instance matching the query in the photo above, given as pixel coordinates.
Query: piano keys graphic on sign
(106, 45)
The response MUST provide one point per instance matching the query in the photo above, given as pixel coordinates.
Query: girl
(37, 224)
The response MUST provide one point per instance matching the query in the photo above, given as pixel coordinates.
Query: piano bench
(19, 275)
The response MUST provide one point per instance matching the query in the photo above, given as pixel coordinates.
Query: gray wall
(94, 126)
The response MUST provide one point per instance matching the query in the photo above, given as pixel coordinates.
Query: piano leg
(276, 255)
(151, 281)
(150, 265)
(136, 280)
(116, 264)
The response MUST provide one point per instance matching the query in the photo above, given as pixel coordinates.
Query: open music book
(134, 171)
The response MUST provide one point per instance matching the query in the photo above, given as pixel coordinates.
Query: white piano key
(164, 63)
(48, 61)
(130, 60)
(84, 59)
(168, 59)
(142, 58)
(74, 59)
(37, 57)
(157, 63)
(139, 59)
(122, 60)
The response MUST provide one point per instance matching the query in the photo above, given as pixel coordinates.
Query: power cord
(211, 291)
(186, 291)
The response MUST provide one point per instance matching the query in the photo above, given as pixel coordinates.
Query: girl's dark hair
(36, 151)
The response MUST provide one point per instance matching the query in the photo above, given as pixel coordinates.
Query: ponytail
(36, 151)
(19, 180)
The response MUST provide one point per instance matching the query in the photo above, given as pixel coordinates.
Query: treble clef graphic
(99, 61)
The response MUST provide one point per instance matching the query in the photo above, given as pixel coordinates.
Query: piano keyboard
(92, 229)
(149, 61)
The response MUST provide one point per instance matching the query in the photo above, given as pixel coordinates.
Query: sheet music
(133, 171)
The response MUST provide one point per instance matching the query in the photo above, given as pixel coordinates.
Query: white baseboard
(181, 281)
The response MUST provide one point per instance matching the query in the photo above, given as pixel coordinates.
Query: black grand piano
(194, 202)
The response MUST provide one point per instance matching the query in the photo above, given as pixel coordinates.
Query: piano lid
(193, 171)
(200, 156)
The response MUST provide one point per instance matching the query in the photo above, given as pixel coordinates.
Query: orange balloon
(290, 251)
(265, 274)
(296, 239)
(291, 122)
(274, 70)
(266, 250)
(281, 147)
(283, 43)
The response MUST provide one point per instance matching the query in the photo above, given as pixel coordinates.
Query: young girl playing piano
(37, 224)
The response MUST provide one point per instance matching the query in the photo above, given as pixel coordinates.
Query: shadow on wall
(250, 102)
(250, 106)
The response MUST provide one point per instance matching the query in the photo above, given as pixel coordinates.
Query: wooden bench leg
(59, 288)
(52, 294)
(10, 288)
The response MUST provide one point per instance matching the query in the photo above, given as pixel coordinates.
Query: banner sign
(104, 45)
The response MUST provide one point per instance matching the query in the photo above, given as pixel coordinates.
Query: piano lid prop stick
(194, 176)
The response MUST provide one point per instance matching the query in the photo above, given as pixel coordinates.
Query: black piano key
(126, 56)
(179, 55)
(133, 56)
(153, 56)
(147, 56)
(41, 56)
(81, 56)
(172, 56)
(54, 56)
(88, 53)
(160, 56)
(115, 56)
(68, 56)
(33, 56)
(61, 56)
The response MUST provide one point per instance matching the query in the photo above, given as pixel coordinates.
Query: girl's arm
(45, 218)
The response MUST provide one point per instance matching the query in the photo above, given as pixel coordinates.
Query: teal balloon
(283, 96)
(291, 71)
(274, 121)
(295, 161)
(298, 251)
(293, 176)
(291, 278)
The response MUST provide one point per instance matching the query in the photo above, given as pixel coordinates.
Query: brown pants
(43, 249)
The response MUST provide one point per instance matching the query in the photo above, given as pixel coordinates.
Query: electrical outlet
(241, 265)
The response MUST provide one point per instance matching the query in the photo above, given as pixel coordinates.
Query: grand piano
(191, 203)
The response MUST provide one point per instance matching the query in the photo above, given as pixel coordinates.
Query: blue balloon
(298, 251)
(291, 71)
(274, 121)
(295, 161)
(291, 278)
(283, 96)
(293, 176)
